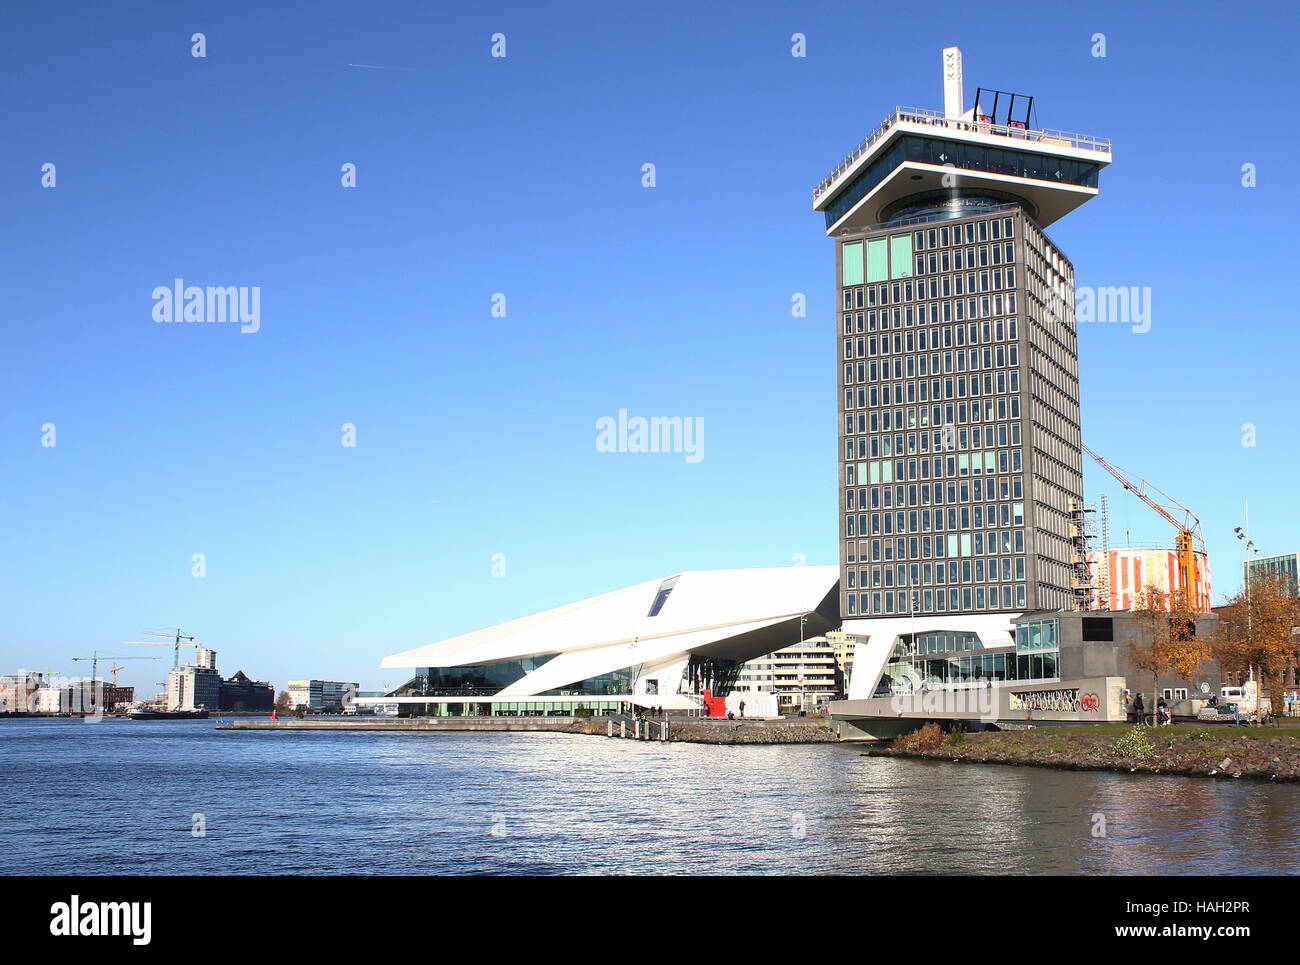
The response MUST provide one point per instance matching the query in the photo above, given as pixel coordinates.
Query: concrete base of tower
(1094, 700)
(878, 637)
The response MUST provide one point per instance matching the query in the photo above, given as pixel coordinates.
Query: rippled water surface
(118, 797)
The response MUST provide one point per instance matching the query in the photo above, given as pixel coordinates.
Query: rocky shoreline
(1264, 753)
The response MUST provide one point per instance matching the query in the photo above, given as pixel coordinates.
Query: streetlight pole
(1244, 536)
(803, 696)
(911, 607)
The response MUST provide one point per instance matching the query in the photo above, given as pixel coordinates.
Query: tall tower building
(957, 364)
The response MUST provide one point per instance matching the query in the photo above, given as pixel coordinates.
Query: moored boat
(146, 714)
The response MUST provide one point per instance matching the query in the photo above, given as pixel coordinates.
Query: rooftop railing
(938, 214)
(917, 115)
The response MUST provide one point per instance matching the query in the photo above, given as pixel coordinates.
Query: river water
(125, 797)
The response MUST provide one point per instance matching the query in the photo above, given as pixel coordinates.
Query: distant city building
(49, 700)
(79, 697)
(321, 696)
(18, 692)
(1287, 566)
(802, 676)
(370, 706)
(192, 688)
(117, 697)
(156, 702)
(844, 644)
(1133, 569)
(206, 658)
(242, 693)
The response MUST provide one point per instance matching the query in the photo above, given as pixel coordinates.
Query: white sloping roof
(704, 607)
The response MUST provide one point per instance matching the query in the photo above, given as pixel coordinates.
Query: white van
(1246, 696)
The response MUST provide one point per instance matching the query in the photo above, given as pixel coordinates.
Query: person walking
(1138, 709)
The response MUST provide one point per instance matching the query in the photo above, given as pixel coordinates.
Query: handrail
(918, 115)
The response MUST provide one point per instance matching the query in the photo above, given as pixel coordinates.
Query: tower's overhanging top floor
(919, 154)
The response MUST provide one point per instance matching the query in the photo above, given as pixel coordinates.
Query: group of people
(1137, 711)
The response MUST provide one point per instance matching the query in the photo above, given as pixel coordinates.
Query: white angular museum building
(661, 643)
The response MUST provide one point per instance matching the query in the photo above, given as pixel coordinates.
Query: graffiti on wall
(1058, 701)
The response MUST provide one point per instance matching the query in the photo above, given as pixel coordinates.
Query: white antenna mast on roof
(952, 83)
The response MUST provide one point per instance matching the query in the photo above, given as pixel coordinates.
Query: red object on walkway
(716, 706)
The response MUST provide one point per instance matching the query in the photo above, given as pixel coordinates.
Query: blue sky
(522, 175)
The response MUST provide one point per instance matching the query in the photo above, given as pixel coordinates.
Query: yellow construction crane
(1189, 537)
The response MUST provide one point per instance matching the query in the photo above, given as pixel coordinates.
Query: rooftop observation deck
(924, 158)
(918, 120)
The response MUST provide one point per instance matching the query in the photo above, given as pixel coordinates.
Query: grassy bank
(1266, 753)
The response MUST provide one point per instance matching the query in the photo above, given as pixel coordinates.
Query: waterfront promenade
(691, 730)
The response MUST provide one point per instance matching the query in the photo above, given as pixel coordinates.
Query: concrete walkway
(691, 730)
(561, 724)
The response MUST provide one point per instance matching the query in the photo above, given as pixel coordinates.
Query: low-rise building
(49, 700)
(321, 696)
(117, 697)
(675, 643)
(79, 697)
(366, 708)
(1047, 665)
(844, 644)
(803, 676)
(18, 692)
(242, 693)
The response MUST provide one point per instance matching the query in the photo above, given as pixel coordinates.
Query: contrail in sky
(378, 67)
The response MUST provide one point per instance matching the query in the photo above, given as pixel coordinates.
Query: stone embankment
(785, 730)
(693, 730)
(1263, 753)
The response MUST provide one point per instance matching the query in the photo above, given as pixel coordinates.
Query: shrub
(958, 736)
(1135, 744)
(928, 738)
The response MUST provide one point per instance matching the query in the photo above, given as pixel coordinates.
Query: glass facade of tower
(959, 416)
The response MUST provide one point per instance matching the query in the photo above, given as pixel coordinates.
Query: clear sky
(476, 435)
